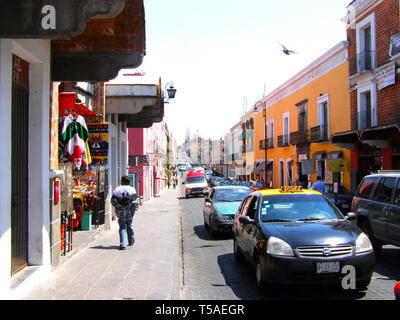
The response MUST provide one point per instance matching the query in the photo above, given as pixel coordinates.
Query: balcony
(362, 62)
(299, 137)
(269, 144)
(364, 119)
(283, 141)
(319, 133)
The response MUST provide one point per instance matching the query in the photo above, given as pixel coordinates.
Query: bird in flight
(287, 51)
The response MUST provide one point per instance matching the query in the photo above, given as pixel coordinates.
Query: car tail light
(186, 189)
(353, 203)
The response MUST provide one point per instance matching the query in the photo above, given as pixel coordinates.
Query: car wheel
(211, 230)
(376, 244)
(237, 252)
(259, 276)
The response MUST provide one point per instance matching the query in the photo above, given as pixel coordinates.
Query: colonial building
(373, 33)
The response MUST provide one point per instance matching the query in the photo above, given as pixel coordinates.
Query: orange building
(294, 123)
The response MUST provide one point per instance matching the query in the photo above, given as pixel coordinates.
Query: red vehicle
(195, 184)
(258, 186)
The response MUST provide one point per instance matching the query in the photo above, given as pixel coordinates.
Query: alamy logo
(49, 18)
(349, 280)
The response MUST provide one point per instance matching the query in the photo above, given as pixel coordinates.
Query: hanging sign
(386, 75)
(98, 142)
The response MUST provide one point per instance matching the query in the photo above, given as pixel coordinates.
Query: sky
(223, 56)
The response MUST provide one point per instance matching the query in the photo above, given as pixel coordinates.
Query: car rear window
(366, 186)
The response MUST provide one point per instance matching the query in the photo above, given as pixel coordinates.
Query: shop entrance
(19, 165)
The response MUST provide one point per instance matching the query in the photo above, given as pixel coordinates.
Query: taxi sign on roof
(292, 189)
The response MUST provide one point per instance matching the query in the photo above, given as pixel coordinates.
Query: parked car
(377, 206)
(195, 184)
(342, 199)
(220, 207)
(298, 236)
(258, 186)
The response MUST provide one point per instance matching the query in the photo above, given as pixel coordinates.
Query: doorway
(19, 164)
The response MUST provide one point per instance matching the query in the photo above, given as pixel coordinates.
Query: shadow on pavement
(203, 234)
(241, 278)
(388, 263)
(105, 247)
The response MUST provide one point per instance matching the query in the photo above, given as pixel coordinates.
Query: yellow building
(299, 118)
(248, 146)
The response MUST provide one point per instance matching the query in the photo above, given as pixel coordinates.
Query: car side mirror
(245, 220)
(351, 216)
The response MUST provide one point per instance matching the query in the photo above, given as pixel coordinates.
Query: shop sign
(98, 142)
(395, 45)
(386, 75)
(337, 165)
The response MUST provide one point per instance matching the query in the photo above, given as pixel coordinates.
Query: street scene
(221, 151)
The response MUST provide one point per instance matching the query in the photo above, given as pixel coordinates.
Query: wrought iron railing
(364, 61)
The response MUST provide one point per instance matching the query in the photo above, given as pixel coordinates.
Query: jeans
(126, 232)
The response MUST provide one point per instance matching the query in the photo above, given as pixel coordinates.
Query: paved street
(154, 269)
(210, 271)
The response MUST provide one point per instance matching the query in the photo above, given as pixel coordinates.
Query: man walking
(124, 200)
(319, 185)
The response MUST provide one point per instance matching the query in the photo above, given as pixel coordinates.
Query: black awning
(345, 137)
(319, 155)
(379, 133)
(335, 155)
(56, 19)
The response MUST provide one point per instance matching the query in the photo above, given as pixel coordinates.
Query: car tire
(211, 230)
(238, 254)
(376, 244)
(206, 226)
(258, 272)
(362, 285)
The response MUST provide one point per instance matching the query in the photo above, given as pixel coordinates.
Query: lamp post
(171, 91)
(265, 141)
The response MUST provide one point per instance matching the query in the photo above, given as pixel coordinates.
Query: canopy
(67, 106)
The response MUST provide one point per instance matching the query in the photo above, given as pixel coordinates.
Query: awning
(345, 139)
(379, 133)
(67, 105)
(335, 155)
(319, 155)
(260, 166)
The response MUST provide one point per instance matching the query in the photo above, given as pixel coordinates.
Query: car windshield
(297, 207)
(196, 180)
(231, 194)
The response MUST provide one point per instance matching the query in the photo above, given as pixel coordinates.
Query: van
(377, 206)
(195, 184)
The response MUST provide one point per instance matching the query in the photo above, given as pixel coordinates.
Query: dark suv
(377, 206)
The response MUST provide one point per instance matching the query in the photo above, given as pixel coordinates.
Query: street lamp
(171, 91)
(265, 141)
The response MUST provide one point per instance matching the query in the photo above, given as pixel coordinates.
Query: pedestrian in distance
(125, 201)
(319, 185)
(169, 183)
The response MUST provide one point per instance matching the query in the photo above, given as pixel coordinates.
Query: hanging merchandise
(75, 135)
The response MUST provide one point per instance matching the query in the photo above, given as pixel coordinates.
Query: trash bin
(86, 221)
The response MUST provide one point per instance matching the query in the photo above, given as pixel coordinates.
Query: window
(367, 113)
(366, 43)
(365, 189)
(302, 117)
(384, 189)
(286, 128)
(396, 198)
(252, 207)
(323, 117)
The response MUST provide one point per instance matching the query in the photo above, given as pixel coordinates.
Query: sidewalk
(149, 270)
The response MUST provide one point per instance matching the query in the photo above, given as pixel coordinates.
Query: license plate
(328, 267)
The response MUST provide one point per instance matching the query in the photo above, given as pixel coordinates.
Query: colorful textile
(75, 135)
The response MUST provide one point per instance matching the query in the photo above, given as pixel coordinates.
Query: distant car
(298, 236)
(342, 199)
(195, 184)
(257, 186)
(220, 207)
(377, 206)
